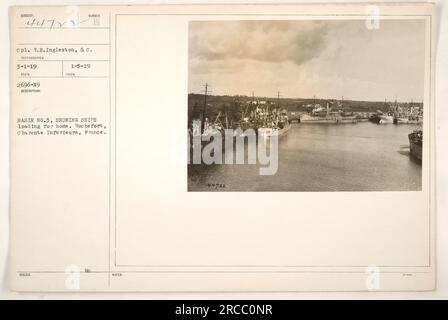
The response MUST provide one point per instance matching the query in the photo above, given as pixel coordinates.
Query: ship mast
(204, 108)
(278, 100)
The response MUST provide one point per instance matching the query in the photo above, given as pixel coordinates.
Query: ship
(416, 144)
(325, 115)
(386, 118)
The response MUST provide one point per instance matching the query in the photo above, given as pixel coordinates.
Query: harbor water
(324, 157)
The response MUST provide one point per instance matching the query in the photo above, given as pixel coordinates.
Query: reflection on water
(324, 157)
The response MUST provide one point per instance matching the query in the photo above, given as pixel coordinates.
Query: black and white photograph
(306, 105)
(224, 151)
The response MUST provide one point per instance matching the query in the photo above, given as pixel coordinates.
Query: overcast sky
(328, 59)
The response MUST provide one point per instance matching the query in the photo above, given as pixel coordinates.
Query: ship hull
(317, 120)
(375, 119)
(336, 119)
(347, 120)
(415, 147)
(386, 119)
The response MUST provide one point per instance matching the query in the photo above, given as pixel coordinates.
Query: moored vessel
(326, 115)
(416, 144)
(386, 119)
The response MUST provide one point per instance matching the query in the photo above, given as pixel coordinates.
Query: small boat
(416, 144)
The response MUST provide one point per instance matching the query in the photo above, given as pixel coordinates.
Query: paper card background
(441, 96)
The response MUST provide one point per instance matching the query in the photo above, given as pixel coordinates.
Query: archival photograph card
(224, 148)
